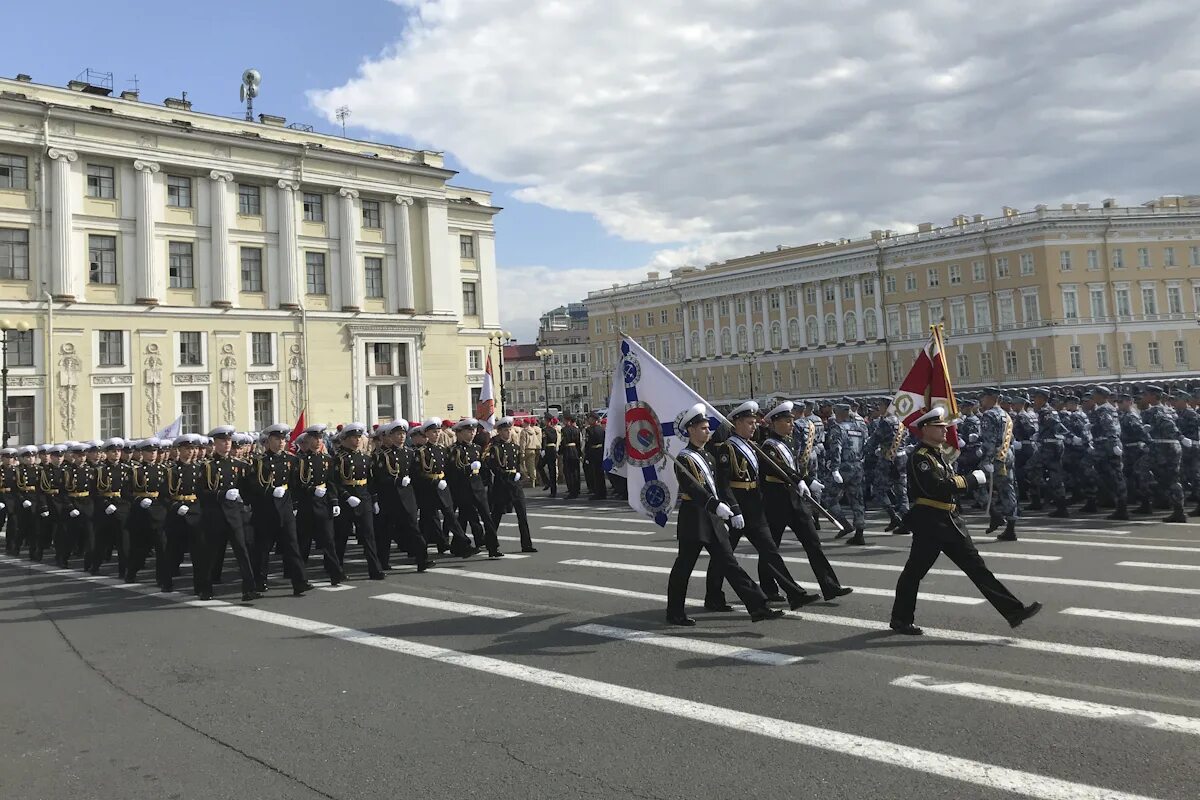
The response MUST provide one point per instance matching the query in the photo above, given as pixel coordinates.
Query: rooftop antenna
(251, 78)
(341, 113)
(134, 81)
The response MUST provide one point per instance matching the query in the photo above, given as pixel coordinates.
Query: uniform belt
(144, 495)
(318, 486)
(4, 491)
(184, 498)
(685, 496)
(531, 449)
(1167, 441)
(79, 494)
(435, 476)
(570, 444)
(592, 446)
(356, 483)
(549, 447)
(773, 479)
(938, 504)
(745, 484)
(284, 486)
(110, 494)
(50, 491)
(510, 472)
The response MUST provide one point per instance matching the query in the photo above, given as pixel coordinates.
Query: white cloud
(550, 287)
(717, 128)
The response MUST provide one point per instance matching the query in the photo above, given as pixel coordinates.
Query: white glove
(803, 489)
(517, 477)
(319, 491)
(376, 508)
(74, 513)
(441, 486)
(145, 502)
(337, 511)
(353, 501)
(1077, 441)
(738, 522)
(182, 511)
(26, 504)
(724, 511)
(979, 475)
(405, 481)
(110, 509)
(475, 465)
(815, 486)
(973, 438)
(837, 477)
(278, 492)
(233, 494)
(989, 468)
(1186, 442)
(1117, 451)
(45, 514)
(1016, 445)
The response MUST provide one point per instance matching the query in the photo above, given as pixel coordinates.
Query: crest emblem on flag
(643, 435)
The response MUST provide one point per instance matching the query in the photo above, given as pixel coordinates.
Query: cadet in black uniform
(937, 528)
(504, 458)
(391, 481)
(224, 512)
(186, 525)
(53, 514)
(8, 485)
(316, 502)
(351, 473)
(549, 462)
(570, 447)
(433, 493)
(273, 520)
(593, 457)
(112, 506)
(701, 526)
(81, 483)
(466, 487)
(147, 511)
(28, 498)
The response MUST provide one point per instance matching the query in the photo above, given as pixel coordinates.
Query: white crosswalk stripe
(1126, 616)
(446, 605)
(698, 646)
(1150, 565)
(990, 553)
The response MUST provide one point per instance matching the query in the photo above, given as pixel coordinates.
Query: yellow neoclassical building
(1051, 295)
(169, 262)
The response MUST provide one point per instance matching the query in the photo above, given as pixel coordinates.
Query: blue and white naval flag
(172, 431)
(644, 408)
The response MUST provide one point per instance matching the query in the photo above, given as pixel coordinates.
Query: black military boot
(1060, 510)
(1177, 515)
(1122, 512)
(1036, 505)
(857, 538)
(1144, 508)
(895, 522)
(996, 522)
(1089, 507)
(1196, 511)
(1010, 532)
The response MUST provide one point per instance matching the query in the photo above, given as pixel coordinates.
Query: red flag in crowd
(296, 431)
(928, 386)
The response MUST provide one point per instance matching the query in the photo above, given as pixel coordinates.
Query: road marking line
(596, 530)
(1126, 616)
(341, 587)
(577, 518)
(1150, 565)
(991, 553)
(1116, 545)
(699, 646)
(553, 584)
(699, 573)
(880, 751)
(1059, 705)
(447, 605)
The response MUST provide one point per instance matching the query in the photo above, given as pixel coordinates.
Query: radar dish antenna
(251, 79)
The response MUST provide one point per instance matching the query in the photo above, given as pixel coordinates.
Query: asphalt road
(553, 676)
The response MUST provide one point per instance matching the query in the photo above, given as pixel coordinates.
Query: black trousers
(721, 553)
(449, 535)
(224, 524)
(473, 512)
(571, 475)
(360, 521)
(772, 570)
(924, 551)
(141, 537)
(516, 498)
(170, 539)
(549, 467)
(64, 540)
(45, 532)
(782, 514)
(275, 525)
(595, 468)
(317, 526)
(110, 532)
(395, 524)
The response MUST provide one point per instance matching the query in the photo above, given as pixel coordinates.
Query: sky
(627, 135)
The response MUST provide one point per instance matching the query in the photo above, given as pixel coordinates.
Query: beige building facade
(1063, 295)
(172, 263)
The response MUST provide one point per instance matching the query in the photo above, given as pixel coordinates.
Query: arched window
(813, 338)
(743, 343)
(695, 344)
(710, 343)
(726, 342)
(776, 337)
(870, 325)
(830, 329)
(760, 339)
(851, 326)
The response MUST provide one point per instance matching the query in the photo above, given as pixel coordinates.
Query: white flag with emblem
(644, 408)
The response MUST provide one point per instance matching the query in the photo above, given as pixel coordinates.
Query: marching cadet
(1045, 466)
(433, 493)
(1135, 442)
(1166, 445)
(316, 505)
(504, 458)
(83, 508)
(998, 462)
(147, 487)
(739, 479)
(112, 506)
(846, 448)
(531, 444)
(937, 528)
(570, 447)
(8, 484)
(466, 487)
(1079, 471)
(52, 515)
(1025, 446)
(549, 462)
(887, 482)
(223, 513)
(1107, 454)
(593, 444)
(1188, 422)
(267, 483)
(391, 481)
(703, 515)
(350, 475)
(186, 526)
(28, 499)
(785, 501)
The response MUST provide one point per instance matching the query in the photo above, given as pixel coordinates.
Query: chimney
(1009, 211)
(960, 220)
(925, 227)
(1068, 206)
(23, 78)
(1082, 206)
(652, 275)
(1108, 202)
(271, 119)
(129, 95)
(178, 103)
(76, 86)
(877, 235)
(977, 218)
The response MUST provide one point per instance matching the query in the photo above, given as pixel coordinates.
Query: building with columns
(564, 330)
(1052, 295)
(177, 263)
(524, 388)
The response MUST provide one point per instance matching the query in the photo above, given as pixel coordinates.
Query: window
(649, 319)
(1004, 305)
(14, 253)
(179, 265)
(20, 419)
(814, 378)
(373, 276)
(112, 415)
(1102, 356)
(893, 323)
(101, 182)
(1123, 302)
(1194, 256)
(249, 200)
(1155, 357)
(1180, 353)
(977, 273)
(14, 172)
(897, 374)
(666, 349)
(1076, 353)
(848, 290)
(810, 297)
(774, 301)
(371, 215)
(850, 326)
(1026, 264)
(740, 305)
(1093, 258)
(190, 349)
(191, 410)
(963, 364)
(466, 246)
(914, 321)
(1070, 303)
(475, 360)
(470, 306)
(870, 326)
(872, 372)
(830, 329)
(708, 311)
(20, 348)
(110, 348)
(380, 354)
(1118, 258)
(314, 269)
(263, 408)
(830, 292)
(777, 336)
(314, 207)
(955, 274)
(1168, 256)
(958, 316)
(1002, 267)
(910, 282)
(102, 259)
(662, 317)
(252, 275)
(1143, 257)
(1064, 260)
(983, 313)
(935, 313)
(985, 365)
(889, 284)
(1174, 300)
(1029, 307)
(1035, 360)
(261, 352)
(637, 321)
(1099, 308)
(933, 278)
(831, 373)
(1127, 360)
(179, 191)
(1010, 362)
(1149, 301)
(868, 288)
(851, 375)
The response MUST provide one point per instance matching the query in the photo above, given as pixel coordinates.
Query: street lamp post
(500, 339)
(750, 359)
(5, 327)
(544, 354)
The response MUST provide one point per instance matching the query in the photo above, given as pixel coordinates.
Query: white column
(801, 317)
(783, 318)
(749, 324)
(146, 288)
(442, 277)
(703, 330)
(717, 351)
(407, 303)
(489, 290)
(879, 328)
(61, 214)
(837, 310)
(862, 331)
(351, 276)
(821, 314)
(766, 320)
(225, 280)
(289, 271)
(687, 331)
